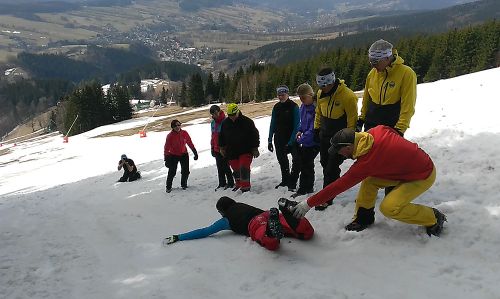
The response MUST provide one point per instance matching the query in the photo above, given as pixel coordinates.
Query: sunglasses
(177, 125)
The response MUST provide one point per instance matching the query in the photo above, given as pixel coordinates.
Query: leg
(134, 176)
(221, 174)
(184, 159)
(235, 165)
(296, 166)
(227, 171)
(172, 171)
(257, 231)
(281, 155)
(323, 159)
(306, 183)
(397, 204)
(301, 229)
(245, 162)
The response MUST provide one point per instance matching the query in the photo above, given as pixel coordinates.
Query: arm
(130, 166)
(271, 127)
(366, 99)
(296, 124)
(120, 165)
(408, 99)
(166, 147)
(317, 115)
(217, 226)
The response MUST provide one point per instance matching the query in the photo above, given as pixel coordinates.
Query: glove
(270, 147)
(212, 152)
(255, 152)
(359, 125)
(167, 161)
(316, 136)
(170, 240)
(195, 154)
(222, 151)
(301, 209)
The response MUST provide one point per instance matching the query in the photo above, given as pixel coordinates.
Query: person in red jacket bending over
(175, 151)
(383, 159)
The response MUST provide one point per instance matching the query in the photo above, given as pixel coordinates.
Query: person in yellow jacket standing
(390, 90)
(336, 109)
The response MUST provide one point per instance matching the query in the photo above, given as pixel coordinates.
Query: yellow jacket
(343, 101)
(397, 83)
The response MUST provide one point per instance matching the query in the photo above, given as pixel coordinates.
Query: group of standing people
(328, 123)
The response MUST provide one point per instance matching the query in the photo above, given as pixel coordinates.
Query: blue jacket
(307, 126)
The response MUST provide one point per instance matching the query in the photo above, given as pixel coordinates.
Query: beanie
(379, 50)
(282, 89)
(342, 138)
(124, 156)
(232, 109)
(305, 89)
(224, 203)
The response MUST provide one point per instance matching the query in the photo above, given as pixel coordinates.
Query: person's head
(305, 93)
(223, 204)
(343, 143)
(380, 54)
(233, 111)
(175, 125)
(325, 79)
(123, 157)
(282, 92)
(214, 111)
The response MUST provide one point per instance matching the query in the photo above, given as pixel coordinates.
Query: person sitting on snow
(383, 159)
(264, 227)
(130, 172)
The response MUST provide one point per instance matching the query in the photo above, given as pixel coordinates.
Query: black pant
(307, 156)
(282, 155)
(223, 170)
(129, 176)
(330, 163)
(172, 169)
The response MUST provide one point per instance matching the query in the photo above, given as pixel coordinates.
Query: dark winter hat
(342, 138)
(124, 156)
(224, 203)
(175, 123)
(282, 89)
(214, 108)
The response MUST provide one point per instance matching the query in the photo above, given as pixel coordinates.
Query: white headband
(379, 54)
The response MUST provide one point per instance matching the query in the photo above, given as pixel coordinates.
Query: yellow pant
(397, 204)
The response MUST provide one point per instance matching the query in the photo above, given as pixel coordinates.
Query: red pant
(257, 230)
(241, 171)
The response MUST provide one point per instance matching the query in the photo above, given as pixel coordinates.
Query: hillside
(69, 230)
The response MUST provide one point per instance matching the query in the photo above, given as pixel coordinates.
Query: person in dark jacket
(175, 151)
(284, 124)
(239, 144)
(264, 227)
(223, 170)
(130, 172)
(308, 149)
(336, 109)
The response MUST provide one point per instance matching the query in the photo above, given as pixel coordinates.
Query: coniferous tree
(183, 98)
(210, 90)
(195, 91)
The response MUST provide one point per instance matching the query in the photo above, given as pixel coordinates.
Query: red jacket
(175, 144)
(390, 157)
(216, 126)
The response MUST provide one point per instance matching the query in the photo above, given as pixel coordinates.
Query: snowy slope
(68, 230)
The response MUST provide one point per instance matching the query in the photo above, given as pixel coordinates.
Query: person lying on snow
(264, 227)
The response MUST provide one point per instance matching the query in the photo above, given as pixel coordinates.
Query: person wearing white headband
(336, 109)
(390, 90)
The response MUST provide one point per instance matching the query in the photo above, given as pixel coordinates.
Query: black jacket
(238, 137)
(239, 216)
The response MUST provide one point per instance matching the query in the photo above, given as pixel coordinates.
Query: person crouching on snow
(264, 227)
(130, 172)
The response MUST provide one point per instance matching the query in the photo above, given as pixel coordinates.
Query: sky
(69, 230)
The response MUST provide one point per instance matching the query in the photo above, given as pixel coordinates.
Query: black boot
(282, 184)
(437, 228)
(274, 229)
(286, 207)
(184, 180)
(364, 218)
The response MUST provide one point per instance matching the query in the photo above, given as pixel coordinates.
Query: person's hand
(301, 209)
(298, 136)
(170, 240)
(255, 152)
(195, 153)
(195, 156)
(212, 152)
(359, 125)
(167, 161)
(270, 147)
(222, 151)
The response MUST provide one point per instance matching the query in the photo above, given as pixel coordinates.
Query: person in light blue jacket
(308, 149)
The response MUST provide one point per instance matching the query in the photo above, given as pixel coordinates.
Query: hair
(214, 108)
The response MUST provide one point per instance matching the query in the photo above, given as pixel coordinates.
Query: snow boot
(274, 229)
(286, 206)
(437, 228)
(364, 218)
(282, 184)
